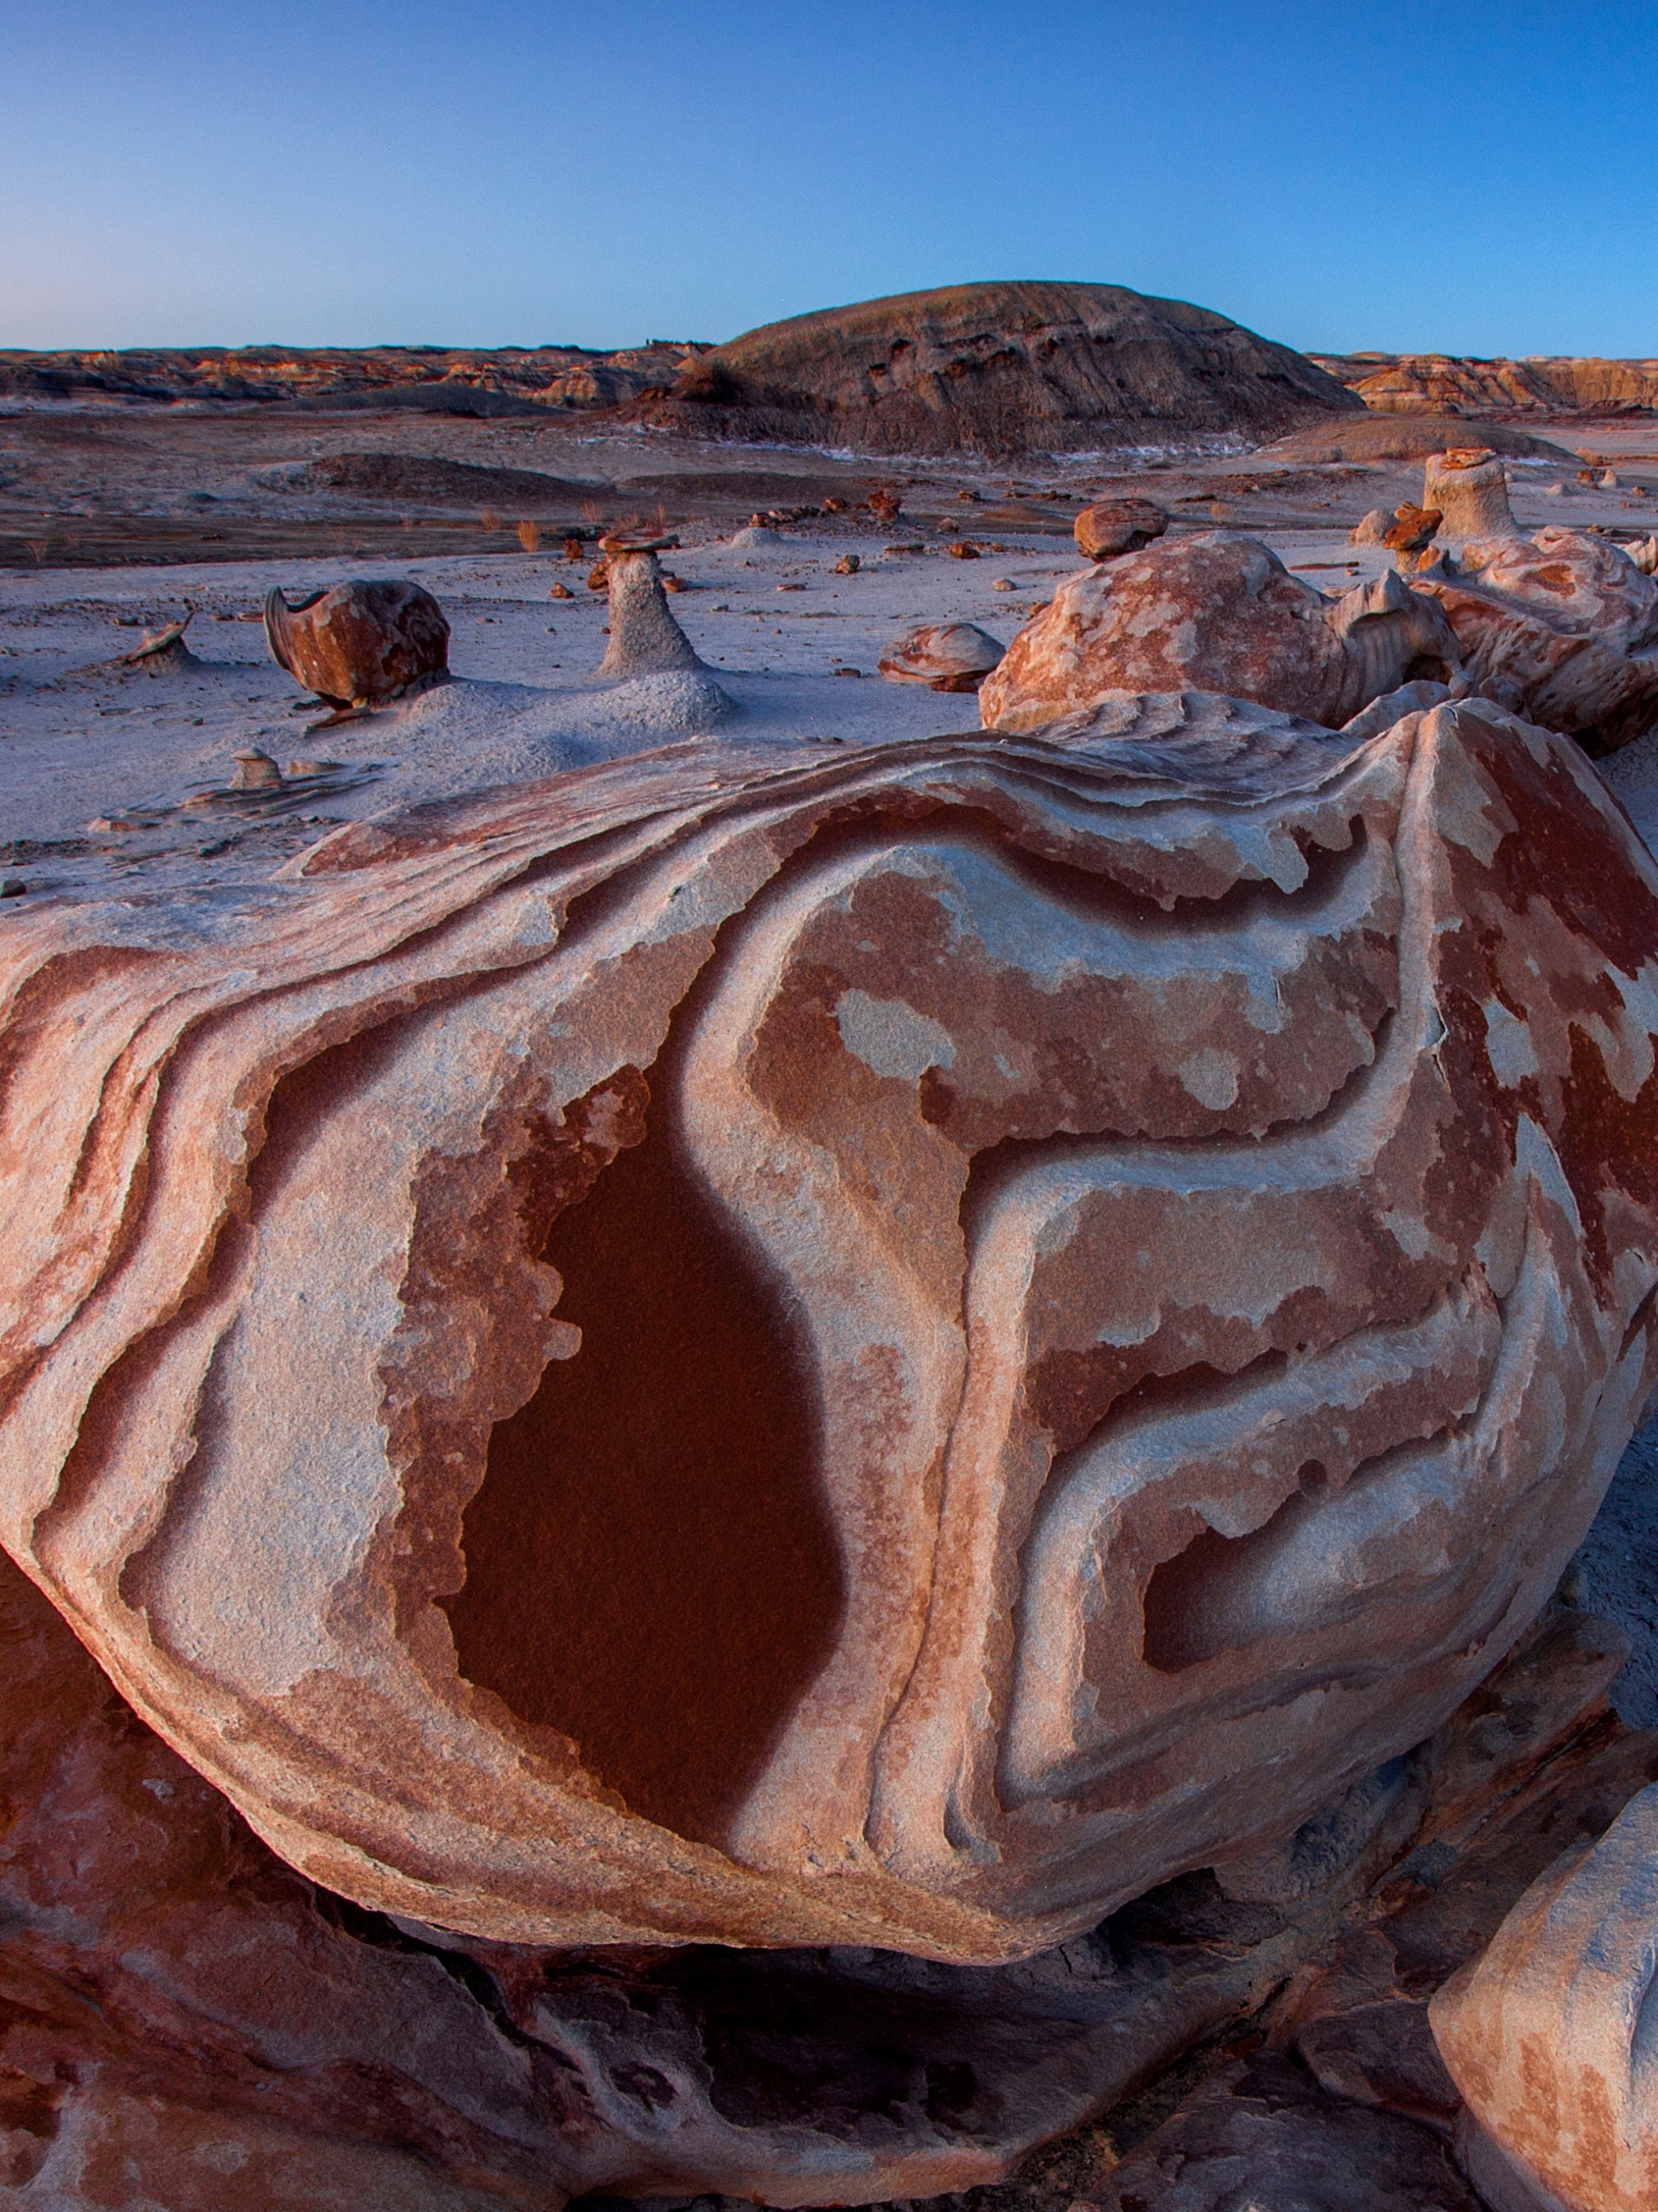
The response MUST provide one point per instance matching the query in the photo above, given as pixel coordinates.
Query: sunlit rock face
(887, 1347)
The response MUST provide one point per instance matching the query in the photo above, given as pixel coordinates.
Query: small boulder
(1112, 526)
(948, 656)
(360, 642)
(847, 565)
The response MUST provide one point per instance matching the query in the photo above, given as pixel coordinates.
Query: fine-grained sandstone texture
(1215, 612)
(1469, 488)
(360, 641)
(1561, 627)
(881, 1350)
(998, 368)
(1551, 2035)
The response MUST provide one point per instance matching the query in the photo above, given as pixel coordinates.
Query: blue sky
(1472, 178)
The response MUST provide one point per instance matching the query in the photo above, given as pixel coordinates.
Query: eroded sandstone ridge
(886, 1349)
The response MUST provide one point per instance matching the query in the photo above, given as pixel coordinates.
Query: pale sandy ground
(84, 743)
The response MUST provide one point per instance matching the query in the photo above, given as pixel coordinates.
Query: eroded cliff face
(888, 1349)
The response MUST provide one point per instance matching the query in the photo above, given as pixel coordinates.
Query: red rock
(1215, 612)
(1412, 528)
(950, 656)
(360, 642)
(614, 1368)
(1111, 526)
(1548, 2034)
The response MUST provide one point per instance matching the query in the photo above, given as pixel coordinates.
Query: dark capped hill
(999, 368)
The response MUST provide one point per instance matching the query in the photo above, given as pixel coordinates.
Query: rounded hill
(1000, 368)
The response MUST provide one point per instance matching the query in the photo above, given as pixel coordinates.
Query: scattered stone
(963, 549)
(1373, 527)
(950, 656)
(847, 565)
(161, 649)
(12, 887)
(254, 770)
(1412, 528)
(1002, 584)
(833, 506)
(1112, 526)
(1217, 612)
(885, 504)
(599, 576)
(561, 592)
(360, 642)
(672, 583)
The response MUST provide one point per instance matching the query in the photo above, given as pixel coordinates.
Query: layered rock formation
(1215, 612)
(443, 379)
(797, 1354)
(1449, 384)
(998, 368)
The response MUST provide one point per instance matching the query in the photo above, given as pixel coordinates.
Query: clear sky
(1471, 178)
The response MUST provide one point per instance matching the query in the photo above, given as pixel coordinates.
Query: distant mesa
(999, 368)
(1450, 383)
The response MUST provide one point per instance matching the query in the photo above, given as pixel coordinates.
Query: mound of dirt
(999, 368)
(422, 480)
(1370, 437)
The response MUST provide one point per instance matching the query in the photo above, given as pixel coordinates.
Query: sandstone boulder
(1548, 2034)
(950, 656)
(361, 642)
(1111, 526)
(1562, 627)
(530, 1357)
(1215, 612)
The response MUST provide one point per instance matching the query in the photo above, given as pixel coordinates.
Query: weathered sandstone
(359, 643)
(1562, 627)
(1215, 612)
(1468, 487)
(1111, 526)
(950, 656)
(794, 1352)
(1548, 2034)
(645, 639)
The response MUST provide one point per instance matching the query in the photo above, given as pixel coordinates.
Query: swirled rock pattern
(1215, 612)
(1561, 627)
(883, 1348)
